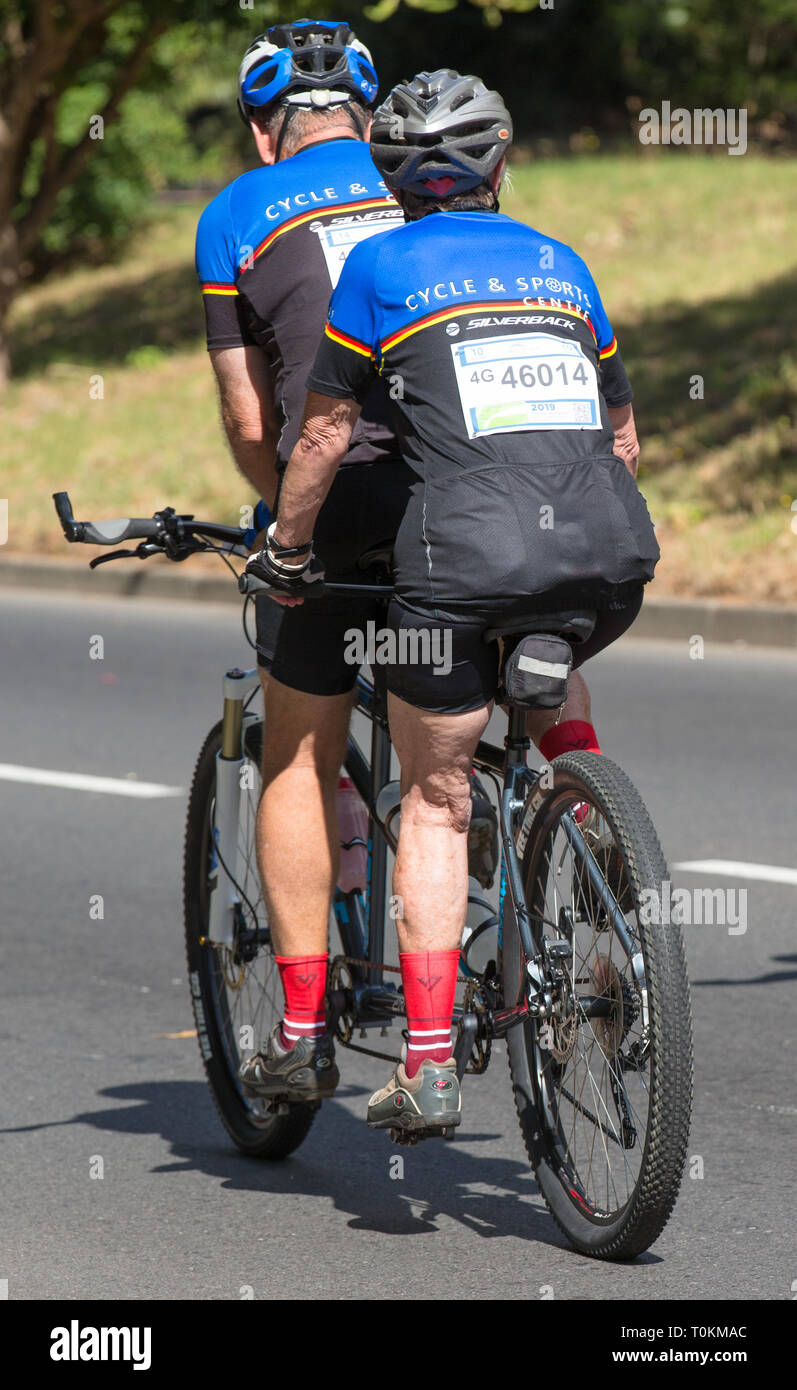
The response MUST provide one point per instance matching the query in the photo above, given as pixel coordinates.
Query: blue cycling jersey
(501, 364)
(269, 250)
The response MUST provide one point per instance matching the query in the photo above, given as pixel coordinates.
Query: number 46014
(527, 375)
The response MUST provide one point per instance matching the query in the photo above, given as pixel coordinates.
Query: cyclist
(269, 249)
(514, 409)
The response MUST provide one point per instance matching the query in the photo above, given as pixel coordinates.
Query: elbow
(318, 445)
(326, 428)
(247, 429)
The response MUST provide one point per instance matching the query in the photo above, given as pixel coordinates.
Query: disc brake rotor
(558, 1033)
(233, 973)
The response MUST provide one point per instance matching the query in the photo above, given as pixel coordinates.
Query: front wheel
(603, 1084)
(235, 991)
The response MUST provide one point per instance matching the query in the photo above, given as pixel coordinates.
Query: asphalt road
(88, 1073)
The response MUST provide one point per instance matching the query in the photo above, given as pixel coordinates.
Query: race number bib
(337, 242)
(525, 381)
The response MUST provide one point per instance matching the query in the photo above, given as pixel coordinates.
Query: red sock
(304, 980)
(571, 735)
(430, 981)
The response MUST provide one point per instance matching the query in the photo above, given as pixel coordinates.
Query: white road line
(82, 782)
(735, 868)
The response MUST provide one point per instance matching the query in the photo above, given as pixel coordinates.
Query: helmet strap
(290, 108)
(288, 117)
(358, 121)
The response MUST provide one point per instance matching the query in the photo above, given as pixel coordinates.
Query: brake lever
(141, 552)
(114, 555)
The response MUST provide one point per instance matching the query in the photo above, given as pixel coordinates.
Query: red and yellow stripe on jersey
(346, 340)
(333, 209)
(491, 306)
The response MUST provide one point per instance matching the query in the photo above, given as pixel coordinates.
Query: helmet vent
(266, 76)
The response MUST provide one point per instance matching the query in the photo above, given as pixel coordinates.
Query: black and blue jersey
(269, 250)
(500, 364)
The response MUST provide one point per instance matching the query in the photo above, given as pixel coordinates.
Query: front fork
(230, 760)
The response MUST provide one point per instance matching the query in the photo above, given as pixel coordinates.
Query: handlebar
(103, 532)
(250, 584)
(177, 537)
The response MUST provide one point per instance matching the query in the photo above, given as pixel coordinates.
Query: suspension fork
(224, 898)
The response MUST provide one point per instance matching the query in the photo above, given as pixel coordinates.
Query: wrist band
(284, 552)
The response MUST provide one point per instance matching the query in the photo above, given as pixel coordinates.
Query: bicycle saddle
(576, 624)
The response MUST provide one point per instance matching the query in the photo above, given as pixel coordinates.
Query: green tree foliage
(70, 184)
(161, 73)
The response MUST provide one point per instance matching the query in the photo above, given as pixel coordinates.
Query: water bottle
(353, 835)
(388, 811)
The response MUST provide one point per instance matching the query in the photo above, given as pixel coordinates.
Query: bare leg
(577, 706)
(297, 841)
(431, 873)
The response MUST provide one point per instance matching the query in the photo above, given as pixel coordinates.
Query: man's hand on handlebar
(288, 570)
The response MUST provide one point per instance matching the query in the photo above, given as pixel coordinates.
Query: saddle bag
(537, 672)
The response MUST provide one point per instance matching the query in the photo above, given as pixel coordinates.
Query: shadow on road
(340, 1160)
(773, 977)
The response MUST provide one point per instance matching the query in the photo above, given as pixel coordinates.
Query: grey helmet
(439, 134)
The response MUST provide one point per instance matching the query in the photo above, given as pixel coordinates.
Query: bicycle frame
(371, 1001)
(493, 1004)
(362, 924)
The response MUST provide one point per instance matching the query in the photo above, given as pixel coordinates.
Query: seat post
(517, 740)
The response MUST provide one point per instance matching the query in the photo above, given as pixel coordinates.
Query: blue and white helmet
(312, 62)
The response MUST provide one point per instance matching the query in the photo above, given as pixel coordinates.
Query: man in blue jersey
(514, 409)
(269, 250)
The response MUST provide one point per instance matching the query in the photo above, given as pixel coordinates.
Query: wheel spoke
(247, 990)
(592, 1081)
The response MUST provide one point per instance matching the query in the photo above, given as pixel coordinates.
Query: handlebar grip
(71, 528)
(63, 506)
(250, 584)
(122, 528)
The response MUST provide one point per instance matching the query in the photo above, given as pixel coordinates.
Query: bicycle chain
(482, 1047)
(380, 965)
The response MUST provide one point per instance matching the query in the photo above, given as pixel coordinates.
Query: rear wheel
(603, 1086)
(235, 991)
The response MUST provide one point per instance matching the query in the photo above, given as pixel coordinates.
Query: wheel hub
(609, 984)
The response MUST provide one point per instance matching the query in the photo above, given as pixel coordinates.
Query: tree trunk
(9, 284)
(29, 99)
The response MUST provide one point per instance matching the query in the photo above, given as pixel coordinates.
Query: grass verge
(695, 258)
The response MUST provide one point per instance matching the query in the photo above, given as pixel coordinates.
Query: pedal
(411, 1137)
(404, 1136)
(281, 1105)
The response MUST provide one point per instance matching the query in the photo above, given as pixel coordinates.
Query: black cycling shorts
(454, 670)
(306, 647)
